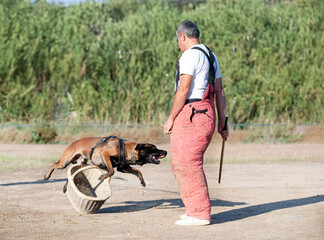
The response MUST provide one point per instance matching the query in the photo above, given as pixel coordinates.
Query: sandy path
(268, 200)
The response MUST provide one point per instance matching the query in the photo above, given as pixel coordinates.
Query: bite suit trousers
(191, 134)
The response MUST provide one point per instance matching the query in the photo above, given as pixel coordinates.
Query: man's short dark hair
(189, 28)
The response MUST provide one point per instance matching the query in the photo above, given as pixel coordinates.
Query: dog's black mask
(149, 153)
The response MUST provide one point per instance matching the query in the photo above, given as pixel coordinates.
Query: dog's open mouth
(156, 157)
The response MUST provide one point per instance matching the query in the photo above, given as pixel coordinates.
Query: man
(192, 121)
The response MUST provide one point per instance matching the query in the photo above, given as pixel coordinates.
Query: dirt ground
(268, 191)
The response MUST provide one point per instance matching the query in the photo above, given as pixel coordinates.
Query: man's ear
(182, 37)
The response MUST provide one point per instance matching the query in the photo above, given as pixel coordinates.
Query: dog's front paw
(102, 177)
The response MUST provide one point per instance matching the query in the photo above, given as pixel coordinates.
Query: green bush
(115, 62)
(43, 134)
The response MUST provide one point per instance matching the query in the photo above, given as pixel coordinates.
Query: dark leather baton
(222, 153)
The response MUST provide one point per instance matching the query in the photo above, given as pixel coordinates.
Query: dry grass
(154, 134)
(312, 134)
(13, 135)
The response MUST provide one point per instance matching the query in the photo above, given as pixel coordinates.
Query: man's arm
(179, 101)
(221, 107)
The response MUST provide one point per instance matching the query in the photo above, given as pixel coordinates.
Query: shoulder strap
(210, 57)
(177, 77)
(212, 71)
(99, 143)
(121, 151)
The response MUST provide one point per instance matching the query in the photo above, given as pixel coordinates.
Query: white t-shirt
(194, 62)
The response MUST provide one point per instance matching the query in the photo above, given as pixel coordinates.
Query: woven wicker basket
(85, 191)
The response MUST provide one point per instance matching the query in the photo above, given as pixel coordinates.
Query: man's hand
(221, 106)
(223, 132)
(168, 126)
(179, 101)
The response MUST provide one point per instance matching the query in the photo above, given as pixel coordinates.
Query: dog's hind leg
(50, 171)
(64, 162)
(134, 171)
(65, 186)
(82, 159)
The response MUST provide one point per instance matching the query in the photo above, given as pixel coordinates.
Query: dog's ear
(140, 146)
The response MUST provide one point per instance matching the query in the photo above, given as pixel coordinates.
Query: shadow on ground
(251, 211)
(222, 217)
(33, 182)
(228, 216)
(134, 206)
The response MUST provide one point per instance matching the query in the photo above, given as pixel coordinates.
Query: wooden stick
(222, 154)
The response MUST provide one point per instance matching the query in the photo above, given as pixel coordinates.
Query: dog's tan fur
(78, 152)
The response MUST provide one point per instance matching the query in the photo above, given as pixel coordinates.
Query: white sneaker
(191, 221)
(183, 216)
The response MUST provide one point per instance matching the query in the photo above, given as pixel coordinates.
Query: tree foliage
(115, 62)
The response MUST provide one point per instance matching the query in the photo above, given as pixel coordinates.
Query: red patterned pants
(191, 134)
